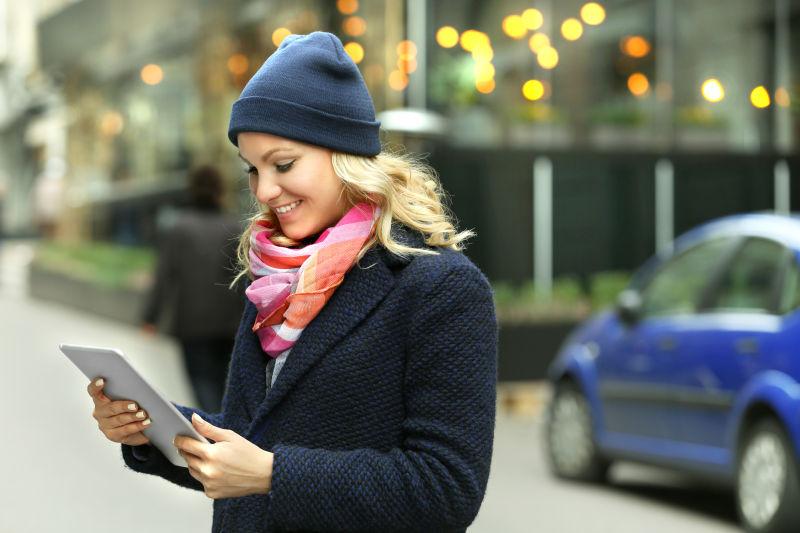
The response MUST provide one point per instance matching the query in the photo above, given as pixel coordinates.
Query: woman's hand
(120, 421)
(232, 466)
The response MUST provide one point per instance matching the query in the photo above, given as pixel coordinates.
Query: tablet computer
(123, 382)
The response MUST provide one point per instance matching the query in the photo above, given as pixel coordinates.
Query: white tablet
(123, 382)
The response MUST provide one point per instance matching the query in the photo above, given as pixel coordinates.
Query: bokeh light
(532, 18)
(533, 90)
(484, 71)
(355, 51)
(759, 97)
(238, 64)
(712, 90)
(347, 7)
(354, 26)
(547, 57)
(407, 65)
(486, 86)
(538, 41)
(472, 39)
(111, 123)
(514, 27)
(447, 37)
(398, 80)
(571, 29)
(279, 35)
(782, 97)
(151, 74)
(638, 84)
(635, 46)
(406, 49)
(483, 53)
(593, 13)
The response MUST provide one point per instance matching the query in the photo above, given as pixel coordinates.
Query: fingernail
(198, 418)
(146, 422)
(132, 406)
(140, 414)
(98, 383)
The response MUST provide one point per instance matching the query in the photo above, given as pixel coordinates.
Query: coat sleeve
(437, 479)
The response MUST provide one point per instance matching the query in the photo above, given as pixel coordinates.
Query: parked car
(696, 369)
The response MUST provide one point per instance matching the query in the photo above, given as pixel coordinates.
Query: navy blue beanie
(309, 90)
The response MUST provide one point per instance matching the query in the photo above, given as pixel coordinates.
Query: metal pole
(782, 188)
(543, 225)
(783, 120)
(417, 33)
(665, 206)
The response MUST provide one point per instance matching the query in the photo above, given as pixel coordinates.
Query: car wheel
(767, 488)
(571, 449)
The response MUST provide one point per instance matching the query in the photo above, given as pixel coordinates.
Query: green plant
(606, 286)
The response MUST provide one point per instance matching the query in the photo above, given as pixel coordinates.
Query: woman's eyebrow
(266, 154)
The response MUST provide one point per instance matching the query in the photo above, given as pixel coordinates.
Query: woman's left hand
(232, 466)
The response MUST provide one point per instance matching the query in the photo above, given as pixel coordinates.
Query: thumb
(208, 430)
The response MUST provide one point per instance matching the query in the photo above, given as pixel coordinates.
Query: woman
(361, 393)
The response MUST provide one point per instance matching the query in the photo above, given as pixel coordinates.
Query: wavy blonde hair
(406, 189)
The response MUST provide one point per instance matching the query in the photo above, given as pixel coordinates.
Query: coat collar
(364, 287)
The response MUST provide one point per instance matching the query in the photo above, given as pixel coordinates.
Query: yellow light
(532, 18)
(347, 7)
(593, 13)
(572, 29)
(548, 57)
(111, 124)
(635, 46)
(471, 39)
(406, 50)
(638, 84)
(782, 97)
(538, 41)
(514, 26)
(759, 97)
(533, 90)
(712, 90)
(279, 35)
(398, 80)
(355, 26)
(485, 87)
(355, 51)
(152, 74)
(447, 37)
(484, 71)
(483, 53)
(238, 64)
(407, 65)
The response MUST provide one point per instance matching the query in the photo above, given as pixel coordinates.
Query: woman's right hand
(120, 421)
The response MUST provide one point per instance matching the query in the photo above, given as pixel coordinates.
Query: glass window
(790, 292)
(751, 280)
(678, 285)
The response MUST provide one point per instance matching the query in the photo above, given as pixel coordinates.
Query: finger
(194, 462)
(123, 419)
(110, 409)
(192, 446)
(121, 433)
(137, 439)
(95, 390)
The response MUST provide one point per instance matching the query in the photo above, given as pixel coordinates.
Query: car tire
(570, 444)
(767, 485)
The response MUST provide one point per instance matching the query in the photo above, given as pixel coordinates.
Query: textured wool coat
(382, 418)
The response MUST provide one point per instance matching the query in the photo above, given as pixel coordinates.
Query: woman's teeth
(286, 209)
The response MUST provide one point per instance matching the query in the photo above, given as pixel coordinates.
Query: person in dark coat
(196, 258)
(362, 386)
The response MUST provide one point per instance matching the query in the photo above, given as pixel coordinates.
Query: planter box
(527, 349)
(124, 305)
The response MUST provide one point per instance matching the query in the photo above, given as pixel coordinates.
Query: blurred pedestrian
(196, 258)
(362, 389)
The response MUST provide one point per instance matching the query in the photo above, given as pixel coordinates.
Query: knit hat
(309, 90)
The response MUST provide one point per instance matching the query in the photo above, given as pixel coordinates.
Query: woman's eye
(285, 168)
(251, 171)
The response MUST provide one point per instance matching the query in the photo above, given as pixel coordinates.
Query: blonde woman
(361, 392)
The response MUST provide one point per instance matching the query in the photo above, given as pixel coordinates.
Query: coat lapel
(364, 286)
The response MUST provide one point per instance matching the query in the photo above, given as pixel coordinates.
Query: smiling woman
(367, 334)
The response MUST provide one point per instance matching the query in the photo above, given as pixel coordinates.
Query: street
(62, 475)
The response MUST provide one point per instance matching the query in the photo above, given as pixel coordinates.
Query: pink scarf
(292, 285)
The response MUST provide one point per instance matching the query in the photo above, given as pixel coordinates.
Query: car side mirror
(629, 306)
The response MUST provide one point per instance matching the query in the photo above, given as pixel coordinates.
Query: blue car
(697, 369)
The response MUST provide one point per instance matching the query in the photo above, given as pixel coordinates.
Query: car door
(729, 340)
(637, 371)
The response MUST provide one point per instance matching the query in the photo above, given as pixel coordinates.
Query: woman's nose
(267, 190)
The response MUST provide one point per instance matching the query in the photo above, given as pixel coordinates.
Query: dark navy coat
(382, 418)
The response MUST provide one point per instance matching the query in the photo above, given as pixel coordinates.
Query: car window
(790, 292)
(678, 285)
(750, 282)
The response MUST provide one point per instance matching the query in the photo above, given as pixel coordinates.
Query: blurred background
(577, 139)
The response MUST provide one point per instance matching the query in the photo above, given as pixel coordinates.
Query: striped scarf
(292, 285)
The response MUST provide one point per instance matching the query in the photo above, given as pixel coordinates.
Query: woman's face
(296, 180)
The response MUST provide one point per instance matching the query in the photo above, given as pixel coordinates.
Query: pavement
(62, 475)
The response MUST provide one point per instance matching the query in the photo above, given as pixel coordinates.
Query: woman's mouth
(286, 210)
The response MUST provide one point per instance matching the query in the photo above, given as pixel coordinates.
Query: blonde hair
(406, 189)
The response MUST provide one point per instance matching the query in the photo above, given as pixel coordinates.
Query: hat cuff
(305, 124)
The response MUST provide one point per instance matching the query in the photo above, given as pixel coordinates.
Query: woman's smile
(288, 212)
